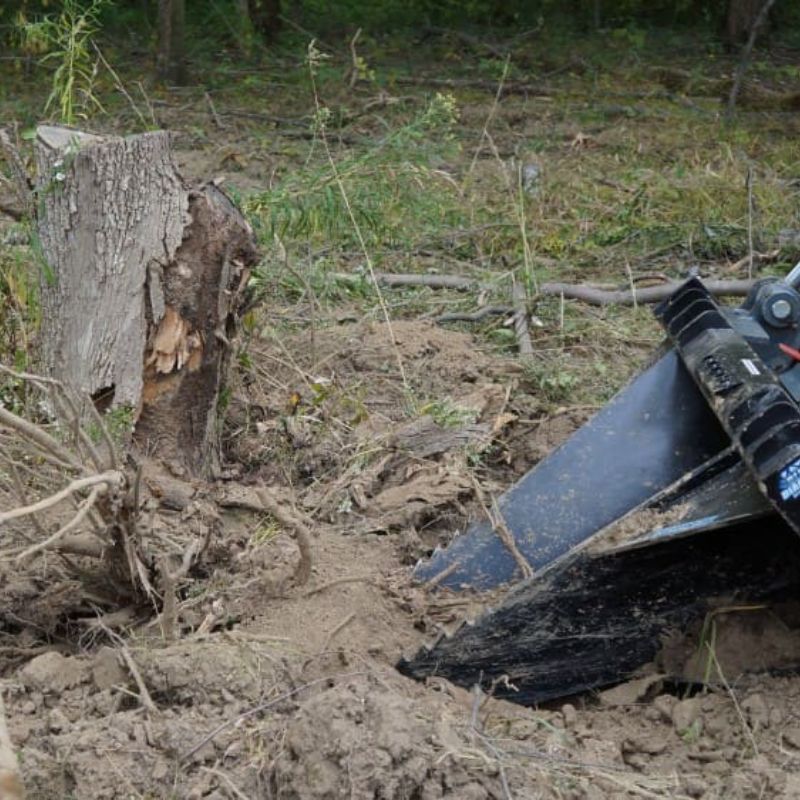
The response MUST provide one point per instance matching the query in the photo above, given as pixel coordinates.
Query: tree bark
(141, 286)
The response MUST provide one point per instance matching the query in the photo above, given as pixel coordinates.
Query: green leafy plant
(552, 382)
(448, 414)
(66, 40)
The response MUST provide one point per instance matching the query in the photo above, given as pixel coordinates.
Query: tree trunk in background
(171, 59)
(739, 21)
(266, 17)
(141, 288)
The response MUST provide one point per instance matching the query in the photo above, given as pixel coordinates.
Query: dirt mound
(385, 742)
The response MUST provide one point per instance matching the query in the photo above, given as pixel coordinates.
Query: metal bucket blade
(593, 620)
(655, 430)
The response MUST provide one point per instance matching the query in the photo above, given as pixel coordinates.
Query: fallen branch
(573, 291)
(647, 294)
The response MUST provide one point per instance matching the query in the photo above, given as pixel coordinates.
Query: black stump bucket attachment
(702, 448)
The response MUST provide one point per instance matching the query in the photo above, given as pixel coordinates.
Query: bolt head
(781, 309)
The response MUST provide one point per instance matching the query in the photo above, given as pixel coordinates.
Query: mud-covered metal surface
(591, 621)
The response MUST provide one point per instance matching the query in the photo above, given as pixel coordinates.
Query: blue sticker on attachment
(789, 481)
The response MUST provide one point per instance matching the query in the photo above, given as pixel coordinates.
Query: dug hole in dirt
(272, 690)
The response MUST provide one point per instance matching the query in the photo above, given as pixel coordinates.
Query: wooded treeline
(266, 19)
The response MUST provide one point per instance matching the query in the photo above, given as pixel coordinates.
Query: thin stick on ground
(144, 695)
(501, 529)
(329, 638)
(747, 730)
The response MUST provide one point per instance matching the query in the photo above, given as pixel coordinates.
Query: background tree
(171, 59)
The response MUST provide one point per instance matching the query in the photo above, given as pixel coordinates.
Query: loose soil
(290, 691)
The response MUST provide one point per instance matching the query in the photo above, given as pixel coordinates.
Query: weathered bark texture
(141, 280)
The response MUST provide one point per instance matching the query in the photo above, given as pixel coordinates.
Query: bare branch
(110, 478)
(42, 439)
(83, 510)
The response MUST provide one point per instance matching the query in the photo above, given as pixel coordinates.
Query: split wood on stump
(142, 283)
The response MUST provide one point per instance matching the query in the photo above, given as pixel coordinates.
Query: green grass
(632, 182)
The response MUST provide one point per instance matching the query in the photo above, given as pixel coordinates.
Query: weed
(394, 192)
(448, 414)
(19, 307)
(118, 423)
(551, 381)
(66, 41)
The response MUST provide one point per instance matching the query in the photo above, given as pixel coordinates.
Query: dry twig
(497, 522)
(144, 694)
(298, 527)
(521, 321)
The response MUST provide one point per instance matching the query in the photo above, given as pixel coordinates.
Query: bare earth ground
(292, 694)
(272, 690)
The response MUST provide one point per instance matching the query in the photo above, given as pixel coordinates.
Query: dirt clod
(52, 673)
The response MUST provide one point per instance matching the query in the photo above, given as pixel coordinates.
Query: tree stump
(142, 283)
